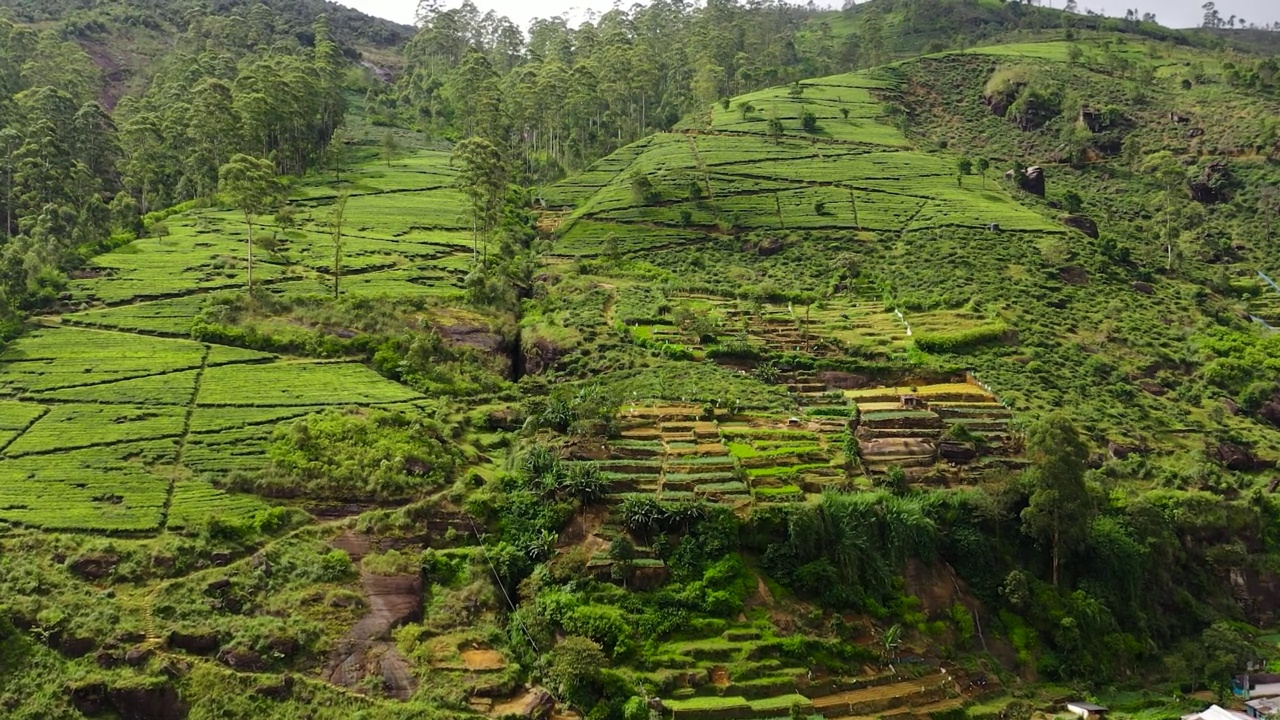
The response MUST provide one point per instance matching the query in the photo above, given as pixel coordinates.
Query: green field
(853, 172)
(114, 416)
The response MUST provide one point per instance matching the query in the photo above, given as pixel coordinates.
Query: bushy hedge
(961, 340)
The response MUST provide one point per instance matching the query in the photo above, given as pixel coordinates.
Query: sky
(1174, 13)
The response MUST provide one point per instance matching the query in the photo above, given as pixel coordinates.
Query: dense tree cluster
(90, 18)
(59, 163)
(564, 96)
(233, 88)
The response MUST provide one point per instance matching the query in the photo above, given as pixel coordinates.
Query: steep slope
(127, 40)
(905, 228)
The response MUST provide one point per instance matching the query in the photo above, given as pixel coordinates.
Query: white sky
(1173, 13)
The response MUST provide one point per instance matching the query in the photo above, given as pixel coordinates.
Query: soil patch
(483, 660)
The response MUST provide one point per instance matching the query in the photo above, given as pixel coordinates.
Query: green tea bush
(961, 340)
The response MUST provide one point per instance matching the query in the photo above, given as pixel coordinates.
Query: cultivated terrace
(729, 362)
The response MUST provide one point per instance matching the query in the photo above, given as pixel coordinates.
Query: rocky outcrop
(1270, 410)
(157, 702)
(1083, 223)
(195, 643)
(94, 566)
(959, 453)
(769, 246)
(366, 651)
(1236, 457)
(843, 380)
(534, 704)
(242, 660)
(1074, 275)
(1032, 180)
(541, 355)
(1119, 451)
(1212, 185)
(1143, 287)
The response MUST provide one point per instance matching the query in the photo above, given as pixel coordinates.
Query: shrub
(961, 340)
(391, 562)
(350, 455)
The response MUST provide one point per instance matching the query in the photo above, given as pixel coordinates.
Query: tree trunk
(337, 267)
(249, 221)
(1056, 553)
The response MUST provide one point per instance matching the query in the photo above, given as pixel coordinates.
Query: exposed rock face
(160, 702)
(1270, 410)
(1258, 594)
(95, 566)
(242, 660)
(1033, 180)
(1237, 457)
(534, 704)
(483, 339)
(195, 643)
(365, 650)
(769, 246)
(505, 419)
(1075, 275)
(957, 452)
(998, 104)
(1083, 223)
(138, 655)
(541, 355)
(278, 690)
(843, 380)
(1211, 187)
(1092, 119)
(1119, 452)
(75, 647)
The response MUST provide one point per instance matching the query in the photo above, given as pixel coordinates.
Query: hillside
(127, 41)
(941, 388)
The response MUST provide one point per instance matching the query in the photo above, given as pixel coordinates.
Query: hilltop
(936, 386)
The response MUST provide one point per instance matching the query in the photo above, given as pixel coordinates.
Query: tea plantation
(942, 389)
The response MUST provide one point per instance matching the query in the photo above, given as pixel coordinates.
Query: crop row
(299, 383)
(171, 316)
(92, 489)
(77, 426)
(65, 357)
(195, 500)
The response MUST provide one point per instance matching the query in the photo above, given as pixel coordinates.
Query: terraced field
(741, 674)
(848, 325)
(755, 166)
(114, 420)
(674, 452)
(929, 430)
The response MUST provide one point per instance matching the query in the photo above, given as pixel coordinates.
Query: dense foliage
(61, 165)
(226, 92)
